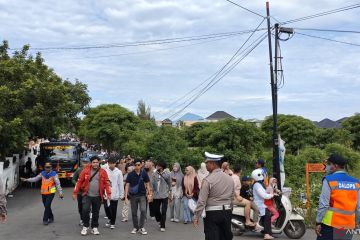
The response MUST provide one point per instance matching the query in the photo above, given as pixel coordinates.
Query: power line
(329, 39)
(156, 50)
(246, 9)
(327, 30)
(224, 74)
(144, 43)
(250, 48)
(337, 10)
(221, 69)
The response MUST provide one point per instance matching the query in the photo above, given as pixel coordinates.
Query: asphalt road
(25, 222)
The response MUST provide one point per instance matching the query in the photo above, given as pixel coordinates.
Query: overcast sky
(321, 77)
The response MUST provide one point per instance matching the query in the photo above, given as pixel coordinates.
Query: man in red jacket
(93, 183)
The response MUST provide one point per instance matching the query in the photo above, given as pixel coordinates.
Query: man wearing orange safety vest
(49, 184)
(339, 204)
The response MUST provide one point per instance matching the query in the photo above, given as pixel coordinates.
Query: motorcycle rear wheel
(300, 229)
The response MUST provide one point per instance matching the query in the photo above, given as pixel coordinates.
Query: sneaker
(107, 224)
(134, 231)
(106, 217)
(84, 231)
(124, 220)
(152, 218)
(185, 222)
(81, 223)
(176, 220)
(172, 220)
(162, 229)
(112, 226)
(46, 223)
(142, 231)
(95, 231)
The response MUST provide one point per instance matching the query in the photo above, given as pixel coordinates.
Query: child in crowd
(271, 189)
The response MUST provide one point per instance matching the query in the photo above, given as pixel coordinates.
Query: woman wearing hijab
(176, 192)
(190, 186)
(202, 173)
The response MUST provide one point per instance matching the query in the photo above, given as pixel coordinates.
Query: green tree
(168, 144)
(191, 132)
(144, 112)
(139, 140)
(352, 157)
(13, 134)
(326, 136)
(296, 131)
(238, 140)
(352, 124)
(35, 99)
(110, 125)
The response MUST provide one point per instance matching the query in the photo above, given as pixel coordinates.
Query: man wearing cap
(84, 162)
(215, 197)
(261, 164)
(339, 204)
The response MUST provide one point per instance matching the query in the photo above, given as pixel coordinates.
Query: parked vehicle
(64, 157)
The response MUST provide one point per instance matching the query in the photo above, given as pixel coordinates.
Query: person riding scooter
(240, 201)
(259, 196)
(246, 193)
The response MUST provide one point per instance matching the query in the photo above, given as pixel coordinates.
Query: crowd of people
(209, 192)
(144, 187)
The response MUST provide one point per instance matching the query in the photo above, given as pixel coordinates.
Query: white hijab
(202, 173)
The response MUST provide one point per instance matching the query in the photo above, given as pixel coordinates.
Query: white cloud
(314, 69)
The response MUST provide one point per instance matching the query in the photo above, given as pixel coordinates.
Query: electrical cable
(221, 69)
(329, 39)
(246, 9)
(143, 43)
(337, 10)
(327, 30)
(252, 47)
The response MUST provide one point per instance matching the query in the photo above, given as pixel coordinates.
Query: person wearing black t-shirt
(138, 187)
(246, 192)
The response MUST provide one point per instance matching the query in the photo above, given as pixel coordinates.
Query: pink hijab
(189, 179)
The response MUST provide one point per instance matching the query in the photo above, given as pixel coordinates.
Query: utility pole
(276, 163)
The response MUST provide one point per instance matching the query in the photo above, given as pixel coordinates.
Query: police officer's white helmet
(257, 175)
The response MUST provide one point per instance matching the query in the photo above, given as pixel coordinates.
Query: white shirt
(116, 183)
(260, 194)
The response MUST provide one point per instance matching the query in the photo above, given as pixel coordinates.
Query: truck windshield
(59, 152)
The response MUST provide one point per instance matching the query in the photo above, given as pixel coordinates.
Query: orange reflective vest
(48, 185)
(343, 201)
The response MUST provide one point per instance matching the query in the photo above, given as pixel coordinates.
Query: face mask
(328, 169)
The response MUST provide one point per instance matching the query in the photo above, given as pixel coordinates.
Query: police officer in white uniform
(215, 197)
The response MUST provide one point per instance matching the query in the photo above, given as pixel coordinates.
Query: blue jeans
(188, 215)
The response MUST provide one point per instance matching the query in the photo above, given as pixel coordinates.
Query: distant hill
(190, 117)
(328, 123)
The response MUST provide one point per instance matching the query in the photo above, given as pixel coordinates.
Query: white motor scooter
(289, 221)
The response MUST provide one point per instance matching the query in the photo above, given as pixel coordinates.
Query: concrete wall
(9, 173)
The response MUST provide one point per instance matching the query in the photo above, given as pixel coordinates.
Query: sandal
(268, 237)
(251, 225)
